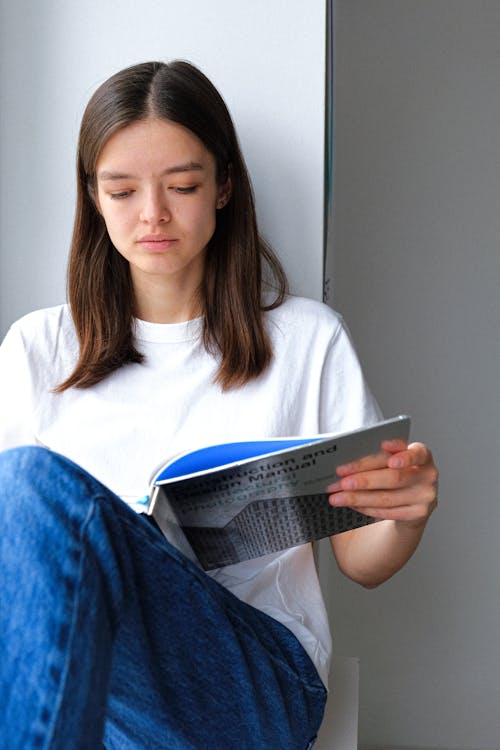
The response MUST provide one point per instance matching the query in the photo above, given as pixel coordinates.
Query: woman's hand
(398, 484)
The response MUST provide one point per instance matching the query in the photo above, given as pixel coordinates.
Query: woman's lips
(156, 242)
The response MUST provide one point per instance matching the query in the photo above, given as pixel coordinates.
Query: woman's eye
(185, 190)
(122, 194)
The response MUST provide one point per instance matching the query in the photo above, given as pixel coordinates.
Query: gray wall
(417, 275)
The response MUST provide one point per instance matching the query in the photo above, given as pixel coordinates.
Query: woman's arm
(399, 486)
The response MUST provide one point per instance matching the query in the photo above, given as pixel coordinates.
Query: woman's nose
(154, 209)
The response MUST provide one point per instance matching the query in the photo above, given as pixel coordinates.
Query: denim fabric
(111, 636)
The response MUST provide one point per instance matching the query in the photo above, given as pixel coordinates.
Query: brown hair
(100, 290)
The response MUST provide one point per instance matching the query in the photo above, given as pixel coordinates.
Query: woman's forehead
(156, 145)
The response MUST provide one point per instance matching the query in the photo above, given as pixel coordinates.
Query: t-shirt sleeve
(17, 401)
(347, 402)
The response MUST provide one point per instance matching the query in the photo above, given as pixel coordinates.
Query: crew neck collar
(166, 333)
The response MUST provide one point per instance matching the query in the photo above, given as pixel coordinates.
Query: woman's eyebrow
(191, 166)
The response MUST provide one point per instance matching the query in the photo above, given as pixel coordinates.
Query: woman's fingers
(399, 483)
(375, 461)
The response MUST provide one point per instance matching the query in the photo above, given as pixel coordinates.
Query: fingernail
(345, 469)
(338, 499)
(333, 487)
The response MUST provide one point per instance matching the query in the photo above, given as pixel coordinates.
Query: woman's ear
(225, 189)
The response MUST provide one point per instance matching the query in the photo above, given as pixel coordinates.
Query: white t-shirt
(121, 429)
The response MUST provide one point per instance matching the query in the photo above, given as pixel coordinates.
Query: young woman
(172, 340)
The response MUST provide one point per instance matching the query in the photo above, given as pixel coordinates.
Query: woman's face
(157, 193)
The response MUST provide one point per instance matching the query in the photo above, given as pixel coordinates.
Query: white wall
(267, 58)
(417, 275)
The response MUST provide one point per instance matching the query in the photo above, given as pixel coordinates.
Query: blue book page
(215, 456)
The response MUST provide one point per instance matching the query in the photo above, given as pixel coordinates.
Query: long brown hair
(100, 289)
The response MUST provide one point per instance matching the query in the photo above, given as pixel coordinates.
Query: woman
(172, 341)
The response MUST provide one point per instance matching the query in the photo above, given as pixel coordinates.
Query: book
(229, 503)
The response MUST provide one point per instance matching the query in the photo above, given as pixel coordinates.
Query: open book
(228, 503)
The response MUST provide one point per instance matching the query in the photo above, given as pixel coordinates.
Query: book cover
(232, 502)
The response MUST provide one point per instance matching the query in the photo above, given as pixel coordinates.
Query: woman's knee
(35, 480)
(16, 463)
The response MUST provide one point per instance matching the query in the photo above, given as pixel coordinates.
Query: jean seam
(55, 707)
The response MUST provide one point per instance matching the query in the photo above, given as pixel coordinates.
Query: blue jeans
(112, 637)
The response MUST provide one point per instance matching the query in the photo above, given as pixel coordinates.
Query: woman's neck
(159, 302)
(168, 311)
